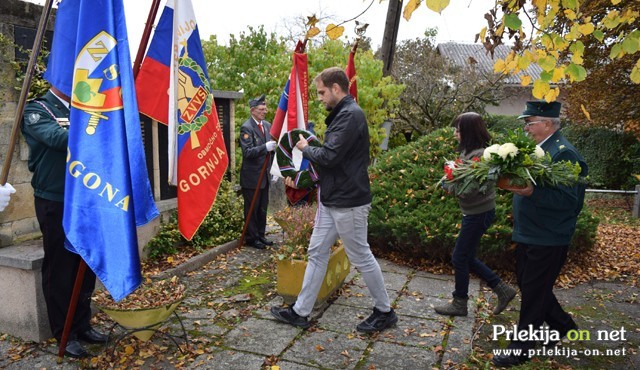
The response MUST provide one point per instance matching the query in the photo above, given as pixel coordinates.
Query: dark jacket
(47, 142)
(548, 217)
(474, 204)
(343, 159)
(254, 153)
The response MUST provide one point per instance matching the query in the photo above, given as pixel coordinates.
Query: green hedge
(223, 224)
(413, 216)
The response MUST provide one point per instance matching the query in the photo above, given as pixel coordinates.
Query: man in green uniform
(44, 127)
(544, 222)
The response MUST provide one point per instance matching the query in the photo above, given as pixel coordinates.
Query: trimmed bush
(413, 216)
(223, 224)
(613, 156)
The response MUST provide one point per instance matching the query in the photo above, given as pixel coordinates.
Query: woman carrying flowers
(478, 211)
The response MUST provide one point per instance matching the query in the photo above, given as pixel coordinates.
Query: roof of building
(466, 54)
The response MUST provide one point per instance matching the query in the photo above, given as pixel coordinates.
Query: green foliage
(503, 124)
(223, 223)
(257, 63)
(412, 216)
(39, 85)
(613, 157)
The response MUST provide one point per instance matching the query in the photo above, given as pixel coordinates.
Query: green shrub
(412, 216)
(612, 156)
(503, 124)
(223, 224)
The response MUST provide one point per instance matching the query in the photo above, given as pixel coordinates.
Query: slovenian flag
(351, 72)
(107, 190)
(173, 87)
(292, 113)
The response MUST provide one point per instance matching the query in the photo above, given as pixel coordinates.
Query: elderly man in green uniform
(544, 222)
(44, 127)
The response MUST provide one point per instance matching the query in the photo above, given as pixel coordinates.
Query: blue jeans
(464, 254)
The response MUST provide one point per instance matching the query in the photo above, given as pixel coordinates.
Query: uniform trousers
(537, 268)
(258, 222)
(59, 269)
(350, 224)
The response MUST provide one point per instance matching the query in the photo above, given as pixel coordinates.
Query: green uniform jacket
(47, 142)
(548, 217)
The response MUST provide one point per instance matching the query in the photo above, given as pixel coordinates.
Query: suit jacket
(254, 153)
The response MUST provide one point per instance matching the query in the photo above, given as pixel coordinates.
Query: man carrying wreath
(345, 201)
(544, 222)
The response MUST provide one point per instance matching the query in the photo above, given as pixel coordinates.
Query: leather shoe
(266, 241)
(257, 244)
(75, 349)
(93, 336)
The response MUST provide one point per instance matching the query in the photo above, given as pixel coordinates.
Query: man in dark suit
(44, 128)
(256, 144)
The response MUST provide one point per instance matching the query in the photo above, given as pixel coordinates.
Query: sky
(460, 21)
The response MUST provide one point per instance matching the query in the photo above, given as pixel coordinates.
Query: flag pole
(145, 37)
(254, 198)
(73, 303)
(26, 84)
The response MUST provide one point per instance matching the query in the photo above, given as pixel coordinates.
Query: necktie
(261, 128)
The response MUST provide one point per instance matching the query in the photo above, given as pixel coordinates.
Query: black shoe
(563, 334)
(75, 349)
(93, 336)
(378, 321)
(257, 244)
(289, 316)
(509, 360)
(266, 241)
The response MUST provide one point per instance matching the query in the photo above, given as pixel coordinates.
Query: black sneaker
(378, 321)
(289, 316)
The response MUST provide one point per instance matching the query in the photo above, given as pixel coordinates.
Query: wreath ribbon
(303, 178)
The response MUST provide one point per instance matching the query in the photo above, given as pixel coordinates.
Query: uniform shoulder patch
(33, 118)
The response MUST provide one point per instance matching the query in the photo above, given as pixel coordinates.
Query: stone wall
(17, 222)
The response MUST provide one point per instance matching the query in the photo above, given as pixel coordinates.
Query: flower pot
(145, 319)
(291, 274)
(505, 183)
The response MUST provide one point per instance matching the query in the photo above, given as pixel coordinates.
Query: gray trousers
(350, 224)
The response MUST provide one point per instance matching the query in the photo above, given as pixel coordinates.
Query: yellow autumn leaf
(498, 66)
(482, 34)
(274, 367)
(552, 95)
(312, 20)
(170, 259)
(635, 73)
(586, 113)
(570, 14)
(437, 5)
(525, 80)
(586, 29)
(558, 74)
(334, 31)
(615, 2)
(128, 350)
(577, 58)
(540, 89)
(313, 31)
(411, 6)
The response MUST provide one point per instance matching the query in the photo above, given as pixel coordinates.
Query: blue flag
(107, 190)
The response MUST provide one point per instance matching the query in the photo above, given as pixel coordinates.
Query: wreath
(284, 155)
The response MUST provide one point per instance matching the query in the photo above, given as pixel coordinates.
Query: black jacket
(343, 159)
(254, 152)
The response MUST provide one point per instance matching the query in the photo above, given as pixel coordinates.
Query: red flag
(351, 73)
(292, 113)
(197, 154)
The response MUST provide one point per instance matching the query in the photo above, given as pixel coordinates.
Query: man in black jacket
(345, 201)
(256, 143)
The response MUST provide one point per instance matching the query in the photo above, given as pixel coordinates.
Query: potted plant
(297, 226)
(142, 311)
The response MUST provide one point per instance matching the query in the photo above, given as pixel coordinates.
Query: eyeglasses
(527, 124)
